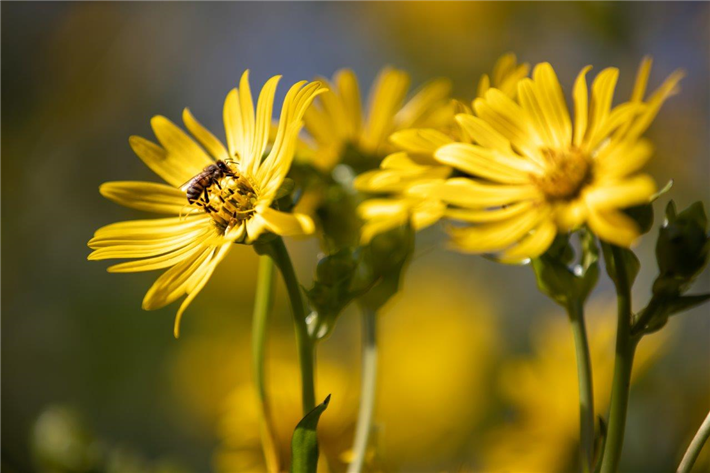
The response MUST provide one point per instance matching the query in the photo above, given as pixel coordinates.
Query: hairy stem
(367, 389)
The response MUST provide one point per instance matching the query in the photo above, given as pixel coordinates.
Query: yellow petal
(155, 228)
(654, 103)
(613, 227)
(602, 95)
(530, 102)
(170, 286)
(180, 148)
(532, 245)
(620, 116)
(483, 133)
(162, 261)
(423, 104)
(482, 162)
(581, 112)
(510, 120)
(349, 90)
(629, 192)
(571, 215)
(287, 224)
(420, 140)
(552, 101)
(199, 284)
(477, 195)
(264, 110)
(168, 166)
(386, 98)
(204, 136)
(496, 236)
(147, 196)
(487, 216)
(277, 164)
(141, 248)
(623, 160)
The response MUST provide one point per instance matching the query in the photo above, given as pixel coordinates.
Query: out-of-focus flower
(534, 174)
(431, 393)
(230, 193)
(542, 390)
(337, 124)
(410, 176)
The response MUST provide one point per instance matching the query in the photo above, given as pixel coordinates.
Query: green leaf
(683, 303)
(629, 259)
(682, 249)
(304, 444)
(562, 283)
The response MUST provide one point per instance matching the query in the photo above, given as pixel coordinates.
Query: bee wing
(189, 183)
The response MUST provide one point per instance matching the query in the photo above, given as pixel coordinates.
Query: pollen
(567, 172)
(231, 201)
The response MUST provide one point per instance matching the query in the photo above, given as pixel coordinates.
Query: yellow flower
(411, 176)
(337, 121)
(232, 203)
(537, 174)
(542, 390)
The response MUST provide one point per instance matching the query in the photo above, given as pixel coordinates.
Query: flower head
(411, 175)
(535, 173)
(337, 123)
(216, 195)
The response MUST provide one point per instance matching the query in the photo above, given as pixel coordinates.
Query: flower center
(566, 173)
(231, 200)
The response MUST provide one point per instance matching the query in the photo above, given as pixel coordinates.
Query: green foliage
(369, 273)
(304, 443)
(682, 251)
(563, 280)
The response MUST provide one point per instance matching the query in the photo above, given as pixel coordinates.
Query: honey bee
(198, 186)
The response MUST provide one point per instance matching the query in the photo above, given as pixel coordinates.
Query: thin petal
(474, 194)
(482, 162)
(199, 283)
(349, 90)
(533, 245)
(386, 99)
(487, 216)
(264, 111)
(602, 95)
(633, 191)
(552, 101)
(614, 227)
(423, 103)
(581, 112)
(483, 133)
(496, 236)
(420, 140)
(287, 224)
(180, 147)
(571, 215)
(168, 166)
(624, 160)
(204, 136)
(147, 196)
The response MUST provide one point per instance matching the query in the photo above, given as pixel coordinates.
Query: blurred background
(477, 370)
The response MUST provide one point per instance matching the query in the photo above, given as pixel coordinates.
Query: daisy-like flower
(216, 195)
(336, 122)
(537, 173)
(410, 176)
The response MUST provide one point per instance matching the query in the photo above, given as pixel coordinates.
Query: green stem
(367, 389)
(623, 363)
(264, 299)
(586, 391)
(306, 347)
(696, 445)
